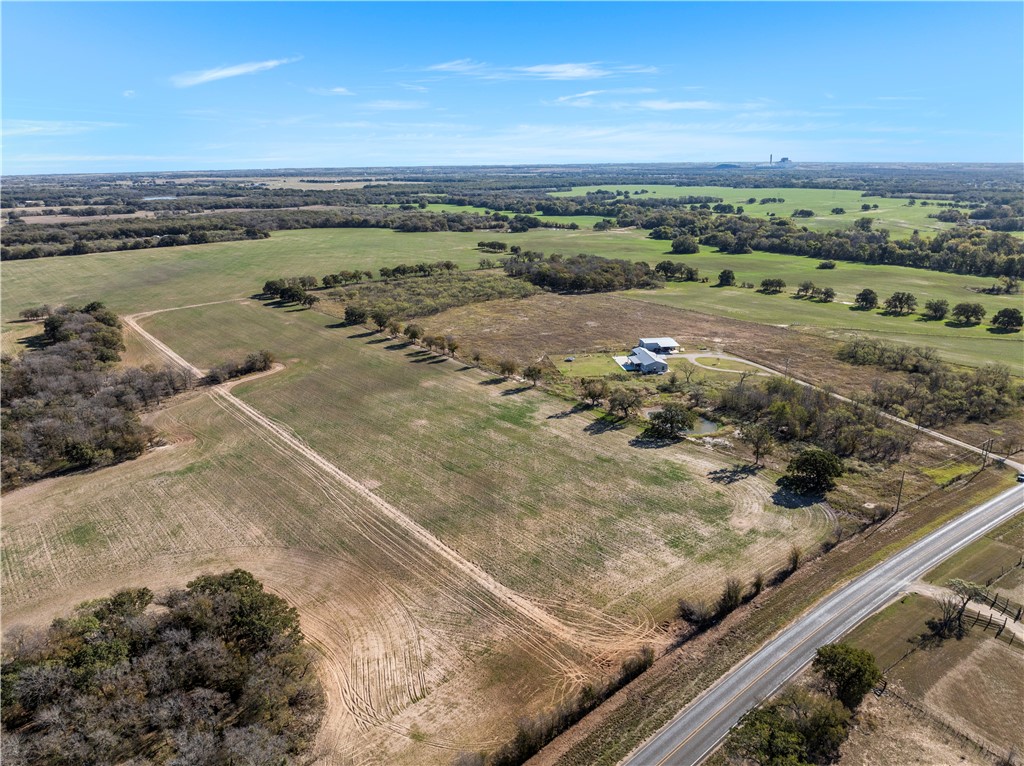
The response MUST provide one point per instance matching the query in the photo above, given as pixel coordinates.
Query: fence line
(984, 748)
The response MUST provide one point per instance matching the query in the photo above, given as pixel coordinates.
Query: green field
(893, 213)
(587, 520)
(169, 277)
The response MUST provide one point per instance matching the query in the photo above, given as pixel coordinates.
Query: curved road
(701, 726)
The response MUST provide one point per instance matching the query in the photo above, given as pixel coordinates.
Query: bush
(827, 265)
(218, 676)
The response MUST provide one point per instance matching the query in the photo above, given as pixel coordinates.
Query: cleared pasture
(550, 502)
(893, 213)
(971, 684)
(166, 277)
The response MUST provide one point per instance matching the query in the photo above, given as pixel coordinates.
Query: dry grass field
(480, 553)
(972, 685)
(548, 501)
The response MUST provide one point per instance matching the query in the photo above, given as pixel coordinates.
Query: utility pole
(986, 447)
(899, 495)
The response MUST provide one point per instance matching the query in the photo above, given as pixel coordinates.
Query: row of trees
(255, 362)
(218, 675)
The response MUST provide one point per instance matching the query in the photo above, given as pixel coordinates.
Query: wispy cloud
(593, 70)
(462, 66)
(901, 98)
(190, 79)
(54, 127)
(128, 94)
(664, 105)
(331, 91)
(413, 87)
(393, 105)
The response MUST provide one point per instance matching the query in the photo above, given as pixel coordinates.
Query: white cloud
(413, 87)
(331, 91)
(390, 105)
(129, 94)
(664, 105)
(189, 79)
(53, 127)
(593, 70)
(459, 65)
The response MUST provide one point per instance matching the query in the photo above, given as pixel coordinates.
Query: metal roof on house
(663, 342)
(642, 356)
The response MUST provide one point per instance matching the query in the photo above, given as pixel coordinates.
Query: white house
(644, 361)
(659, 345)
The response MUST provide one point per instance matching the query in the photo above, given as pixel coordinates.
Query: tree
(533, 373)
(766, 738)
(849, 672)
(773, 286)
(1008, 319)
(866, 299)
(813, 471)
(838, 211)
(685, 245)
(595, 390)
(826, 294)
(863, 224)
(672, 420)
(380, 317)
(804, 288)
(968, 313)
(413, 332)
(625, 401)
(726, 278)
(508, 368)
(355, 314)
(759, 438)
(900, 303)
(936, 309)
(394, 327)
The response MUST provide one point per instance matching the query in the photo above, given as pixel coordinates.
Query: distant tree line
(219, 675)
(582, 273)
(66, 406)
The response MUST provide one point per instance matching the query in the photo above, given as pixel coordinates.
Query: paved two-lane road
(699, 727)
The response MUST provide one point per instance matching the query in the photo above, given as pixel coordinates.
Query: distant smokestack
(770, 156)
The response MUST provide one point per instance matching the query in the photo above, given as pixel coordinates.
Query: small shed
(659, 345)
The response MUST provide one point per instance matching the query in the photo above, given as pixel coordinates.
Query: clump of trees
(219, 675)
(66, 406)
(808, 725)
(935, 394)
(582, 273)
(813, 472)
(671, 421)
(772, 286)
(1008, 320)
(680, 271)
(423, 269)
(255, 362)
(784, 411)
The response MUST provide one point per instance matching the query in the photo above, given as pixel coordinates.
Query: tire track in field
(285, 436)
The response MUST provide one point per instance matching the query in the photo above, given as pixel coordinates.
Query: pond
(703, 426)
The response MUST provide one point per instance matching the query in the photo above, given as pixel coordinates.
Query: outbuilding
(659, 345)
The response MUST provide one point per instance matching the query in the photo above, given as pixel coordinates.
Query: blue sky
(91, 87)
